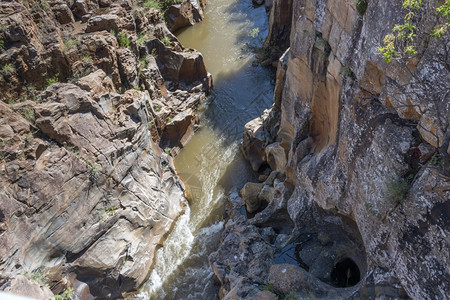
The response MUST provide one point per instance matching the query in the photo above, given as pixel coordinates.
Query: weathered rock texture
(359, 137)
(91, 91)
(185, 14)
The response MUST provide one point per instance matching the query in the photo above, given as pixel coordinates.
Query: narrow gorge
(277, 149)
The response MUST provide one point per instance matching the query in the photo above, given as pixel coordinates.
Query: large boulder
(243, 257)
(23, 286)
(185, 14)
(250, 195)
(62, 12)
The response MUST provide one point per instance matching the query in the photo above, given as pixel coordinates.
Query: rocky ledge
(96, 95)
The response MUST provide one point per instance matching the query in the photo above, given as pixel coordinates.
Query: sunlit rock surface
(366, 145)
(91, 94)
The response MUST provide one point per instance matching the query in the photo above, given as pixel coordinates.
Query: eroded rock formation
(362, 202)
(92, 92)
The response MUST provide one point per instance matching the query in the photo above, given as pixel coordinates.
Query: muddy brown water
(211, 163)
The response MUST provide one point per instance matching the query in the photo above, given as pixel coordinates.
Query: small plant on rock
(70, 44)
(361, 6)
(143, 63)
(436, 160)
(87, 59)
(397, 189)
(38, 275)
(71, 148)
(291, 296)
(7, 69)
(372, 211)
(254, 32)
(44, 5)
(166, 41)
(28, 114)
(154, 53)
(112, 209)
(346, 71)
(152, 4)
(124, 39)
(141, 39)
(66, 295)
(267, 287)
(2, 45)
(52, 80)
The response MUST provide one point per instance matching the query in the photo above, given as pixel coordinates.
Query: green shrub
(160, 4)
(165, 40)
(437, 160)
(152, 4)
(2, 44)
(44, 5)
(71, 44)
(143, 63)
(71, 148)
(402, 40)
(87, 59)
(38, 275)
(346, 71)
(361, 6)
(66, 295)
(28, 114)
(7, 69)
(267, 287)
(396, 189)
(141, 39)
(112, 209)
(52, 80)
(124, 39)
(291, 296)
(372, 211)
(254, 32)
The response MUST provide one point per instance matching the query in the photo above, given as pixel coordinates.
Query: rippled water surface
(211, 162)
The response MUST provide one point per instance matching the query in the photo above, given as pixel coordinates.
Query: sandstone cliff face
(91, 91)
(359, 138)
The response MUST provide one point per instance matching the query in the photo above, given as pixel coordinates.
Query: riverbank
(211, 163)
(95, 96)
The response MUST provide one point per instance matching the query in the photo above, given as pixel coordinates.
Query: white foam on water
(178, 243)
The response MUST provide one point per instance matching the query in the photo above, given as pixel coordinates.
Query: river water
(211, 162)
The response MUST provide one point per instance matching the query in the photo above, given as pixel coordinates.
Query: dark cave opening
(345, 273)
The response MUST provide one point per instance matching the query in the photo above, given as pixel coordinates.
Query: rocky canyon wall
(95, 96)
(357, 144)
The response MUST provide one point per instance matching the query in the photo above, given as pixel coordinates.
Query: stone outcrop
(188, 13)
(92, 93)
(25, 287)
(366, 148)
